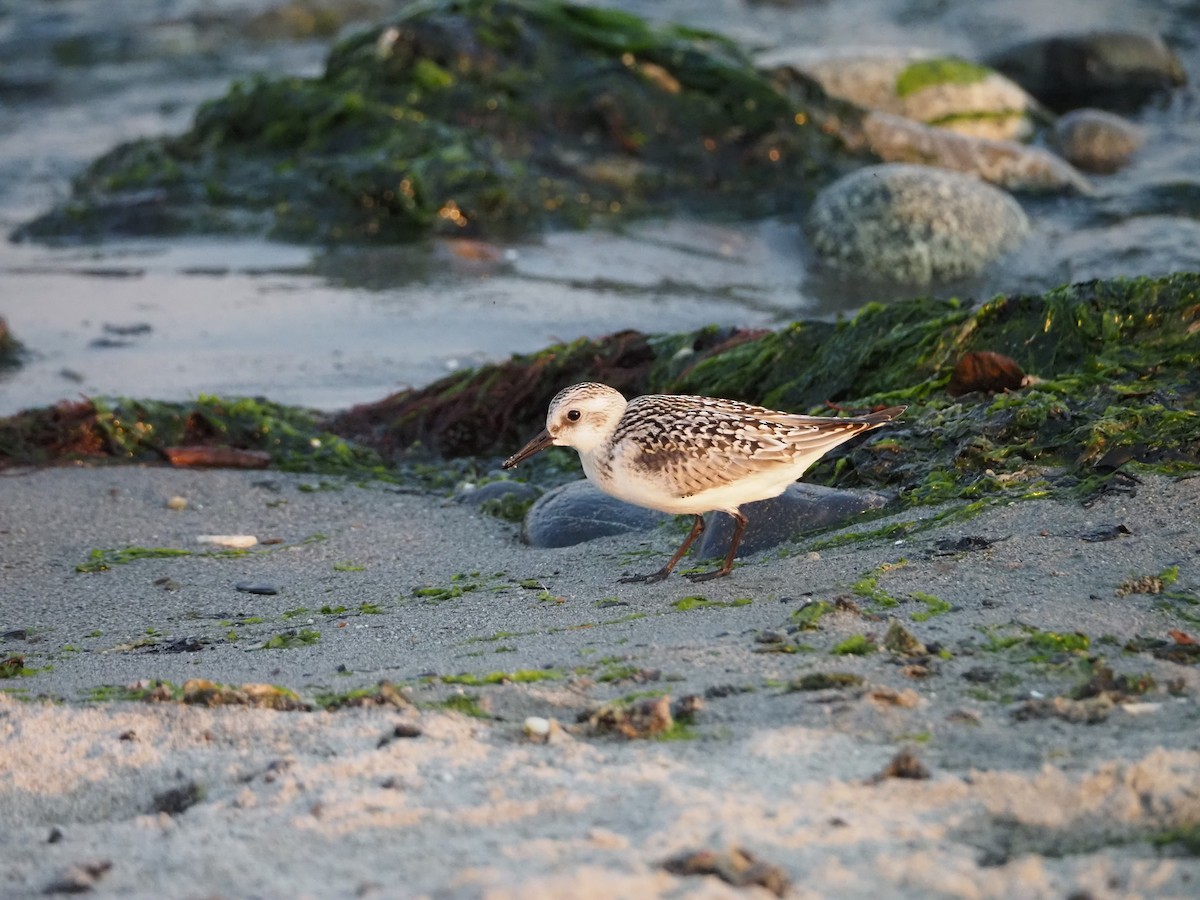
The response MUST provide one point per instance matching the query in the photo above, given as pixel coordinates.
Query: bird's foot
(652, 578)
(695, 577)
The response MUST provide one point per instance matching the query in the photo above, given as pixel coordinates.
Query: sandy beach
(1053, 706)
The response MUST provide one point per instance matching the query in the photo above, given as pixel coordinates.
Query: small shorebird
(689, 455)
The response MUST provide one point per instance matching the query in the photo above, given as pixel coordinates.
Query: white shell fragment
(235, 541)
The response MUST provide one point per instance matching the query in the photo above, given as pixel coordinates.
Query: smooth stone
(913, 224)
(256, 587)
(1111, 69)
(578, 512)
(497, 490)
(1008, 164)
(802, 507)
(1097, 141)
(921, 85)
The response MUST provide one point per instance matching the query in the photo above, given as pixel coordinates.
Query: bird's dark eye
(573, 415)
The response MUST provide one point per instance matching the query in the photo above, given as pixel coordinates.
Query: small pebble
(1096, 140)
(177, 503)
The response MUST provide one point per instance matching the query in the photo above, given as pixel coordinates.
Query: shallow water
(332, 328)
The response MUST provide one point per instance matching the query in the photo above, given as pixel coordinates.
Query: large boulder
(913, 224)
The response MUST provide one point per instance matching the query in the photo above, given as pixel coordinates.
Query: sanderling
(689, 455)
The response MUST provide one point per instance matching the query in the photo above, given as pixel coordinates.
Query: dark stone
(256, 587)
(178, 800)
(1105, 533)
(1118, 70)
(578, 512)
(182, 645)
(802, 507)
(950, 546)
(128, 330)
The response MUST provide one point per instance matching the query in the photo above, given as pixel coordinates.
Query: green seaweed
(925, 73)
(808, 615)
(934, 606)
(103, 560)
(684, 604)
(290, 640)
(855, 645)
(519, 676)
(467, 704)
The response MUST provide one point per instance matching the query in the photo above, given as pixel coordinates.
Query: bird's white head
(582, 416)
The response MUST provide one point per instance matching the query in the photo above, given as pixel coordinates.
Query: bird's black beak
(537, 445)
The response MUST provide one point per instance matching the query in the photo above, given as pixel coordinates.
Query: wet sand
(1026, 797)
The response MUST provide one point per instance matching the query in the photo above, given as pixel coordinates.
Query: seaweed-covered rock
(1114, 364)
(1114, 372)
(124, 430)
(913, 224)
(468, 117)
(945, 91)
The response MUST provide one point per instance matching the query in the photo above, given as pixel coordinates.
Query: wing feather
(693, 444)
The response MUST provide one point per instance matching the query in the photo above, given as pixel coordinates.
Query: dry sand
(1023, 799)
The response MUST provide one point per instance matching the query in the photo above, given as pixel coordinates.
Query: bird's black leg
(672, 562)
(738, 527)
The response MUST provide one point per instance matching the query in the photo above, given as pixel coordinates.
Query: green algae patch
(469, 117)
(291, 640)
(684, 604)
(868, 588)
(102, 560)
(934, 606)
(520, 676)
(1036, 646)
(855, 645)
(807, 617)
(926, 73)
(467, 704)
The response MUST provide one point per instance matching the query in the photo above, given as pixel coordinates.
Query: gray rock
(1114, 70)
(579, 512)
(913, 224)
(1007, 164)
(257, 587)
(802, 507)
(1097, 141)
